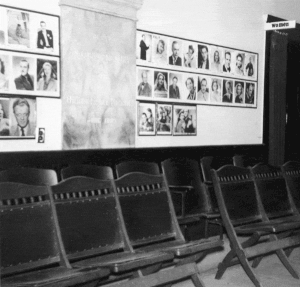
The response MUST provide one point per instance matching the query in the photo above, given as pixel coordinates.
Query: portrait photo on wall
(250, 93)
(228, 66)
(143, 46)
(175, 85)
(3, 25)
(227, 95)
(190, 55)
(146, 119)
(239, 63)
(203, 57)
(159, 50)
(239, 92)
(250, 65)
(164, 113)
(175, 52)
(190, 91)
(216, 59)
(4, 118)
(216, 90)
(160, 84)
(22, 117)
(144, 80)
(4, 72)
(203, 88)
(184, 120)
(47, 76)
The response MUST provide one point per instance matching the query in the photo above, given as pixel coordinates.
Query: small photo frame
(47, 75)
(159, 50)
(250, 93)
(143, 46)
(190, 55)
(216, 90)
(4, 118)
(164, 120)
(228, 59)
(227, 95)
(146, 119)
(5, 67)
(216, 59)
(204, 87)
(190, 91)
(239, 92)
(144, 80)
(203, 57)
(175, 52)
(160, 84)
(239, 64)
(184, 120)
(176, 86)
(251, 66)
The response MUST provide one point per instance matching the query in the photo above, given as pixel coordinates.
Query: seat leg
(285, 261)
(197, 280)
(256, 262)
(225, 264)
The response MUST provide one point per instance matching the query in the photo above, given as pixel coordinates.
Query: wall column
(98, 73)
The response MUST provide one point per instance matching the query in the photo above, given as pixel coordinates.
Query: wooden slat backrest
(93, 171)
(236, 194)
(147, 208)
(88, 217)
(29, 237)
(136, 166)
(32, 176)
(291, 172)
(272, 189)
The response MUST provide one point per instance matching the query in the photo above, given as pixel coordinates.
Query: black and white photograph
(228, 61)
(144, 46)
(203, 88)
(175, 52)
(250, 65)
(23, 117)
(250, 93)
(184, 120)
(144, 80)
(159, 50)
(239, 63)
(3, 24)
(216, 90)
(4, 118)
(216, 59)
(146, 119)
(203, 57)
(4, 72)
(175, 85)
(190, 91)
(239, 92)
(47, 76)
(190, 55)
(164, 113)
(227, 95)
(160, 84)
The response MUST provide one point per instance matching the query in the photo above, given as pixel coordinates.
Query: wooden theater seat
(243, 216)
(151, 223)
(136, 166)
(31, 249)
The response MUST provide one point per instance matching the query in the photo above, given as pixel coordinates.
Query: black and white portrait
(159, 50)
(250, 65)
(216, 59)
(239, 92)
(144, 80)
(175, 52)
(216, 90)
(239, 64)
(227, 95)
(190, 55)
(190, 91)
(146, 119)
(164, 120)
(185, 120)
(160, 84)
(203, 88)
(4, 117)
(250, 93)
(144, 46)
(203, 57)
(24, 73)
(175, 85)
(47, 75)
(4, 72)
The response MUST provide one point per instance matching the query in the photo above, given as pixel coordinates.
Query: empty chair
(31, 249)
(291, 172)
(245, 161)
(133, 166)
(93, 171)
(243, 216)
(150, 219)
(184, 177)
(28, 175)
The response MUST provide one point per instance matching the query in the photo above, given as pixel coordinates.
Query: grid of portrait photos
(29, 53)
(18, 118)
(178, 70)
(166, 119)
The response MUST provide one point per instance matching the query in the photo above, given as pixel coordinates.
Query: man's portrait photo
(44, 37)
(160, 84)
(144, 46)
(175, 85)
(250, 65)
(159, 50)
(203, 57)
(23, 117)
(175, 52)
(203, 88)
(239, 92)
(18, 28)
(144, 81)
(239, 64)
(227, 62)
(23, 70)
(250, 93)
(227, 94)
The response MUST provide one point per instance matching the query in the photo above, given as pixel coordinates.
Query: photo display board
(181, 71)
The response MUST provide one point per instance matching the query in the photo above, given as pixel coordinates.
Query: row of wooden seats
(89, 232)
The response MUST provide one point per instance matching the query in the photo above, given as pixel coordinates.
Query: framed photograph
(216, 90)
(239, 92)
(203, 57)
(144, 80)
(228, 65)
(175, 52)
(143, 46)
(176, 85)
(29, 74)
(239, 64)
(28, 31)
(216, 59)
(159, 50)
(146, 119)
(203, 89)
(18, 118)
(164, 121)
(227, 95)
(190, 90)
(250, 94)
(160, 84)
(251, 66)
(190, 55)
(184, 120)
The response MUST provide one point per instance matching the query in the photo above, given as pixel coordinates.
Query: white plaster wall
(234, 23)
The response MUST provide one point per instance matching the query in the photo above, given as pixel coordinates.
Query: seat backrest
(147, 208)
(272, 189)
(186, 172)
(236, 195)
(29, 234)
(28, 175)
(88, 217)
(93, 171)
(291, 172)
(245, 161)
(136, 166)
